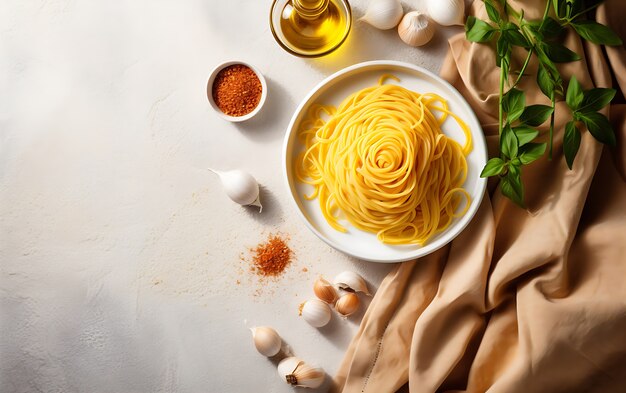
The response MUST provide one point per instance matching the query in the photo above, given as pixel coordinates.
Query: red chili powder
(237, 90)
(272, 257)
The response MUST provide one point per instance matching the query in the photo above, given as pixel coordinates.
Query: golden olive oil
(313, 25)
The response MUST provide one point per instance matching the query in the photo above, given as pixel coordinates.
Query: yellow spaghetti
(381, 162)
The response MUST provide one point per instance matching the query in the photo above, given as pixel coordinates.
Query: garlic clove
(325, 291)
(347, 304)
(383, 14)
(308, 376)
(287, 367)
(316, 313)
(298, 373)
(257, 203)
(266, 340)
(240, 186)
(415, 29)
(351, 280)
(446, 12)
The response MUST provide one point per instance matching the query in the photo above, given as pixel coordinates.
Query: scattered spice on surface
(237, 90)
(300, 307)
(304, 269)
(272, 257)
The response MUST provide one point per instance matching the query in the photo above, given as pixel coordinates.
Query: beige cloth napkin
(523, 300)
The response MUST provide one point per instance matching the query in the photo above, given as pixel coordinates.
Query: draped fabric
(524, 300)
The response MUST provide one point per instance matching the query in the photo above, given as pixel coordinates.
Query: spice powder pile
(271, 258)
(237, 90)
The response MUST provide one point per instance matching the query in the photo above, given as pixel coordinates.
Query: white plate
(332, 91)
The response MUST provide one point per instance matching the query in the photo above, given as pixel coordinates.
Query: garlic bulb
(446, 12)
(347, 304)
(416, 29)
(296, 372)
(383, 14)
(240, 186)
(325, 291)
(266, 340)
(316, 313)
(351, 280)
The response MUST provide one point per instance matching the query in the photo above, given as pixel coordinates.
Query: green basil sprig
(516, 122)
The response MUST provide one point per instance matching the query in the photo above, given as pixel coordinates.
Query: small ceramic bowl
(209, 91)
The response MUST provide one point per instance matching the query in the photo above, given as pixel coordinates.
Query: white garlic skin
(383, 14)
(446, 12)
(266, 340)
(347, 304)
(240, 186)
(298, 373)
(316, 313)
(351, 280)
(325, 291)
(288, 366)
(416, 29)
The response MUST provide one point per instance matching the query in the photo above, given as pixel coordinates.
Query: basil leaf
(511, 186)
(525, 134)
(503, 51)
(470, 21)
(599, 126)
(559, 53)
(513, 103)
(508, 142)
(531, 152)
(596, 99)
(571, 143)
(575, 7)
(477, 30)
(494, 167)
(596, 33)
(535, 115)
(545, 82)
(575, 95)
(550, 28)
(514, 37)
(549, 66)
(492, 12)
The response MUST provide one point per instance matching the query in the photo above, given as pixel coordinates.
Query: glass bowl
(310, 38)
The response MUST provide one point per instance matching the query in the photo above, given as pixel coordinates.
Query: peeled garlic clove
(415, 29)
(266, 340)
(325, 291)
(297, 373)
(347, 304)
(316, 313)
(446, 12)
(351, 280)
(240, 186)
(383, 14)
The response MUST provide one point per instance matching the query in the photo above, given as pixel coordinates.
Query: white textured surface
(119, 253)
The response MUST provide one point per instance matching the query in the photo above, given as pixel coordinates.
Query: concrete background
(123, 265)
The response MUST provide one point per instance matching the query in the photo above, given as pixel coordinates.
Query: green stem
(583, 12)
(521, 73)
(502, 77)
(552, 98)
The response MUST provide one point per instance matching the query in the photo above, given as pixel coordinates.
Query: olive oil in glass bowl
(310, 28)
